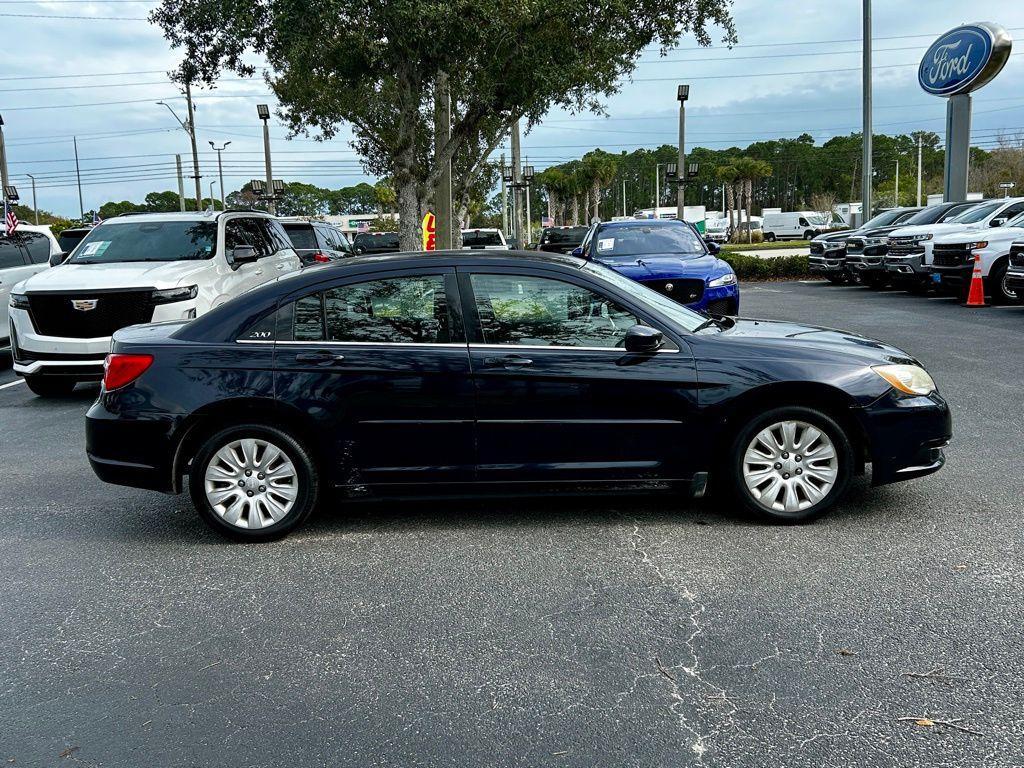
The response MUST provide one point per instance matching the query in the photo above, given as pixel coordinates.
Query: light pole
(866, 170)
(527, 181)
(220, 173)
(264, 112)
(189, 128)
(919, 170)
(682, 94)
(4, 181)
(35, 208)
(212, 204)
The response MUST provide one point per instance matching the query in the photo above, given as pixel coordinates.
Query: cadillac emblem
(84, 305)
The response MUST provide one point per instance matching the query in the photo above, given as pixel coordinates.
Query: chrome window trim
(619, 350)
(449, 345)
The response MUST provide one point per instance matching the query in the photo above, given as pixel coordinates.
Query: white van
(22, 254)
(131, 269)
(793, 225)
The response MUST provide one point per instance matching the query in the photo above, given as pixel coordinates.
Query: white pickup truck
(954, 257)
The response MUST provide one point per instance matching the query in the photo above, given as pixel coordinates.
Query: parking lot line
(12, 383)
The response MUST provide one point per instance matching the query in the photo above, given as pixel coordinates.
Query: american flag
(10, 219)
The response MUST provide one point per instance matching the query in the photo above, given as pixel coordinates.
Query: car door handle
(510, 361)
(281, 266)
(319, 358)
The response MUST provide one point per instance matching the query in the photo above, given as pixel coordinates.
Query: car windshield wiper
(721, 322)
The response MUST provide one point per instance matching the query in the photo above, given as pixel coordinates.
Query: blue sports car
(668, 256)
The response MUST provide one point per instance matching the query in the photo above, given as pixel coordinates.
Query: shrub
(739, 236)
(753, 269)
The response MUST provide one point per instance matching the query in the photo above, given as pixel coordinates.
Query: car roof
(456, 257)
(641, 223)
(128, 218)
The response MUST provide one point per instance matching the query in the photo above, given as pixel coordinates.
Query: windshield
(111, 243)
(69, 238)
(817, 219)
(883, 219)
(931, 214)
(370, 242)
(478, 237)
(637, 241)
(975, 215)
(685, 318)
(302, 236)
(563, 236)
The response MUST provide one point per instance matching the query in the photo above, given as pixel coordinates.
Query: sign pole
(958, 146)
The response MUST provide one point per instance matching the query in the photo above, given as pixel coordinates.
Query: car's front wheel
(1001, 292)
(50, 386)
(790, 464)
(253, 482)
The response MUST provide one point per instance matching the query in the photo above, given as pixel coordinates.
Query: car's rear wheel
(50, 386)
(770, 237)
(790, 464)
(253, 482)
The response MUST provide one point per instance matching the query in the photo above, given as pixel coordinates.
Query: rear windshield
(928, 215)
(476, 237)
(385, 240)
(563, 236)
(111, 243)
(636, 241)
(302, 236)
(69, 238)
(884, 219)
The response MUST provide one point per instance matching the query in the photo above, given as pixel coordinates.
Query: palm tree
(727, 174)
(601, 168)
(748, 171)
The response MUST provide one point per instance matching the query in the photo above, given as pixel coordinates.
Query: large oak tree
(373, 64)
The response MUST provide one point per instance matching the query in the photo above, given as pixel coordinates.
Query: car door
(382, 364)
(16, 265)
(558, 397)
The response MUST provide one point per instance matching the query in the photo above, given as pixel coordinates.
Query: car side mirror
(241, 254)
(57, 259)
(641, 338)
(577, 251)
(997, 222)
(713, 247)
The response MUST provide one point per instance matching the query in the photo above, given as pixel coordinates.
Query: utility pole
(4, 180)
(181, 184)
(78, 176)
(657, 188)
(35, 208)
(528, 175)
(682, 94)
(220, 174)
(443, 191)
(919, 169)
(624, 197)
(264, 112)
(866, 168)
(195, 150)
(504, 199)
(517, 179)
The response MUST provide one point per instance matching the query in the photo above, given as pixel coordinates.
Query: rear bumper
(133, 452)
(907, 436)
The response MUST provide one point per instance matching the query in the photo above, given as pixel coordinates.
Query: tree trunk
(410, 236)
(750, 195)
(575, 210)
(729, 208)
(595, 191)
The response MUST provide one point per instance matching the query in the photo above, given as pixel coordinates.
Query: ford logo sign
(964, 59)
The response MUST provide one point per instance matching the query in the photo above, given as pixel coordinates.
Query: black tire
(770, 237)
(734, 480)
(918, 288)
(875, 281)
(50, 386)
(808, 235)
(836, 279)
(995, 282)
(307, 477)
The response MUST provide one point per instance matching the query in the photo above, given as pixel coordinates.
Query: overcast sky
(78, 66)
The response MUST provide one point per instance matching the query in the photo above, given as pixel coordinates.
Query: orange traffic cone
(976, 296)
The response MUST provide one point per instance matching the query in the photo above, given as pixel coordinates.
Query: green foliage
(57, 223)
(754, 269)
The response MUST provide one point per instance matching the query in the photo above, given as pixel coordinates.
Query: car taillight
(120, 370)
(321, 257)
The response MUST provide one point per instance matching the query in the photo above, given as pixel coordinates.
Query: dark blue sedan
(493, 371)
(668, 256)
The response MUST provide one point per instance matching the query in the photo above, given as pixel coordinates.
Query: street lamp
(263, 111)
(188, 127)
(220, 172)
(212, 204)
(682, 94)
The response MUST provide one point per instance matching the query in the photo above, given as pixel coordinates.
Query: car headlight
(718, 282)
(19, 301)
(908, 379)
(922, 238)
(978, 245)
(171, 295)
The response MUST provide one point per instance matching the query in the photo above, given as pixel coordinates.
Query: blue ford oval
(485, 371)
(668, 256)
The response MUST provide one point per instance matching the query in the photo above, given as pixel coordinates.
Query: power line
(75, 18)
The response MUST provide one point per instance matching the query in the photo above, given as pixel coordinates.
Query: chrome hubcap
(790, 466)
(251, 483)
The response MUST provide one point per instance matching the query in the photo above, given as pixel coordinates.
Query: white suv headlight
(718, 282)
(908, 379)
(920, 238)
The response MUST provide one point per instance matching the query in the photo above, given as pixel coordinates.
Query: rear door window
(10, 254)
(301, 236)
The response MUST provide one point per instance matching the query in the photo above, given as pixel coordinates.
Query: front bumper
(865, 264)
(906, 436)
(954, 278)
(724, 300)
(906, 264)
(827, 263)
(1015, 280)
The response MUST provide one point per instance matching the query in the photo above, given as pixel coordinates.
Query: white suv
(136, 269)
(22, 254)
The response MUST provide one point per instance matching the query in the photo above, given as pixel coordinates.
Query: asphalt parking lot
(616, 631)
